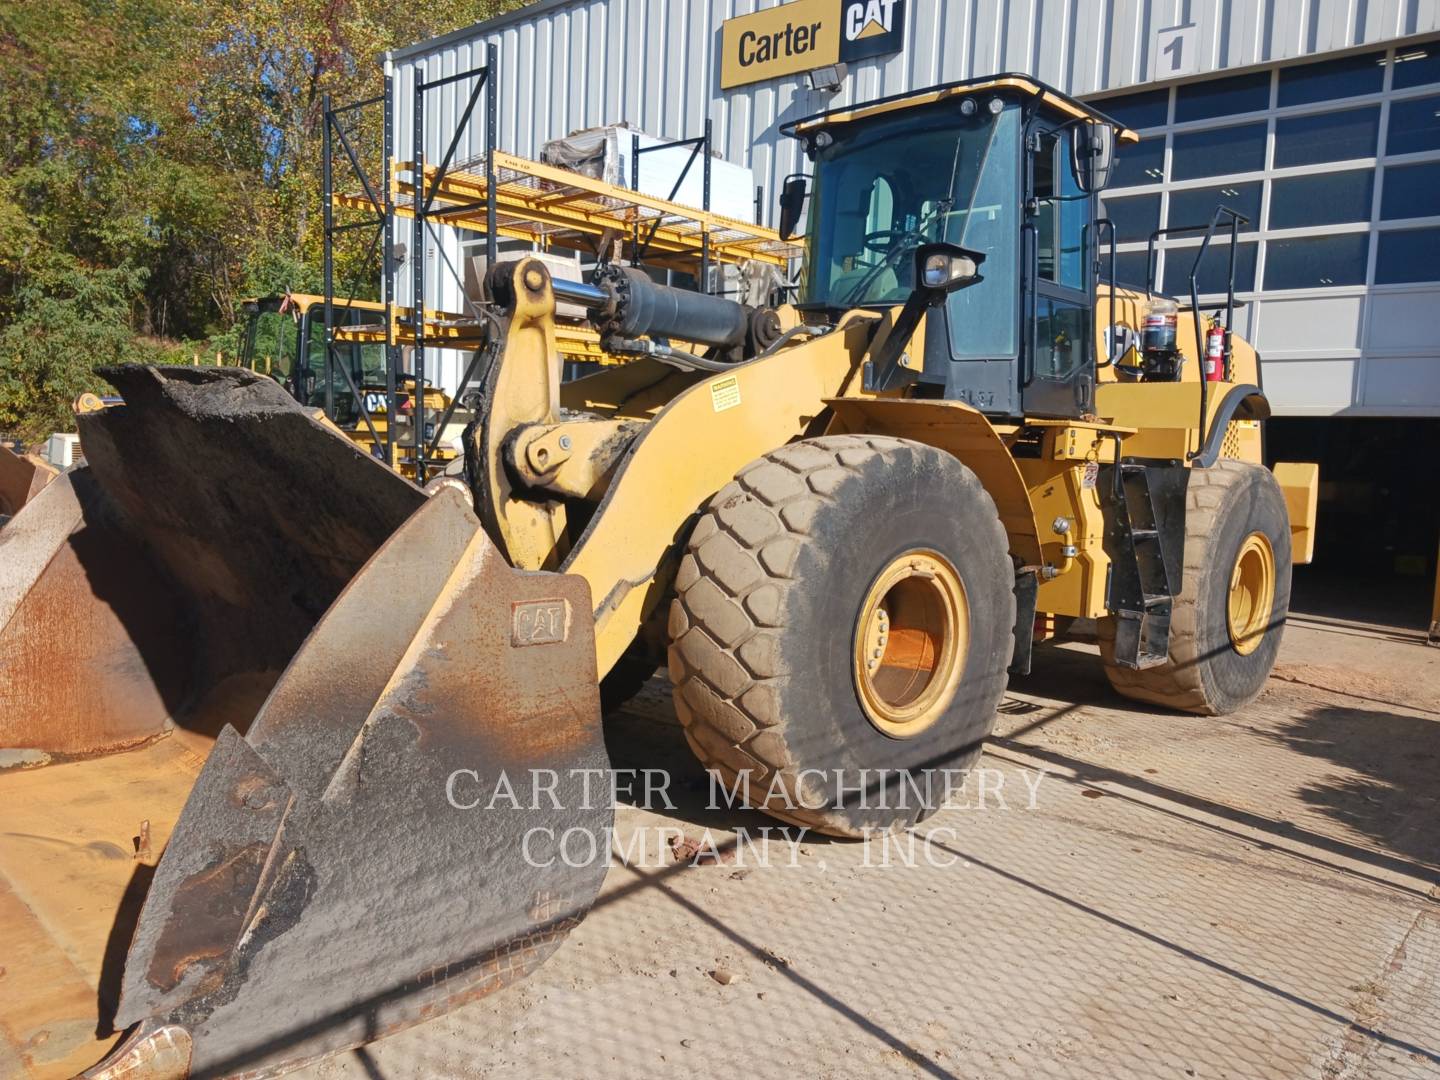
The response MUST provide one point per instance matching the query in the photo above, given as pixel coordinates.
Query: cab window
(884, 187)
(364, 361)
(1063, 308)
(274, 348)
(984, 319)
(1064, 211)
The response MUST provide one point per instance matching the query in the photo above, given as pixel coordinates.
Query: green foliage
(162, 162)
(270, 270)
(70, 321)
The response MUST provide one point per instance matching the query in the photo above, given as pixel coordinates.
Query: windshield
(365, 361)
(271, 351)
(886, 186)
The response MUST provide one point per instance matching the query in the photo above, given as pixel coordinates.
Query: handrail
(1236, 220)
(1106, 223)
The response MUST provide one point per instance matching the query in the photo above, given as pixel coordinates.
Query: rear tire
(788, 677)
(1236, 524)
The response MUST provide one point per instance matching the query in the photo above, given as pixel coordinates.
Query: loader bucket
(21, 478)
(302, 686)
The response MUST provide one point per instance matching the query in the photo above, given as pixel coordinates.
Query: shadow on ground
(1391, 795)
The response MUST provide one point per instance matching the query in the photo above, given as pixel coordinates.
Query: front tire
(841, 631)
(1227, 622)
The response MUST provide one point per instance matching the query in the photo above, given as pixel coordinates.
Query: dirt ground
(1253, 896)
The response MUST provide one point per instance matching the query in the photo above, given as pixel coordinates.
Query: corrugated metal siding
(654, 63)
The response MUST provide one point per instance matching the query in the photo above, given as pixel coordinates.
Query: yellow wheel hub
(911, 639)
(1252, 593)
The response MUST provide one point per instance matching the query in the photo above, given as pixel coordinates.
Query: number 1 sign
(1177, 52)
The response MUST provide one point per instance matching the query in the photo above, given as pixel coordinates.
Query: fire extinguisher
(1215, 352)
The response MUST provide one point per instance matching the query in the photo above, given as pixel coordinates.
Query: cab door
(326, 385)
(1059, 372)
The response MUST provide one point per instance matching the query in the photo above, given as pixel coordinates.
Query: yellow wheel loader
(242, 663)
(283, 336)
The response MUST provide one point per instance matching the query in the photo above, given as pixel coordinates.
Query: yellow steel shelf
(446, 330)
(555, 207)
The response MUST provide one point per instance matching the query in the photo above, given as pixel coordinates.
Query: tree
(163, 161)
(71, 320)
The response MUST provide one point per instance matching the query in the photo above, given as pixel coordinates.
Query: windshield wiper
(913, 239)
(908, 243)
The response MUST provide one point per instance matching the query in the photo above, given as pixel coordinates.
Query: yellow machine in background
(283, 336)
(842, 523)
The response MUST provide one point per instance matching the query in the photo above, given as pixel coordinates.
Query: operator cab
(1005, 168)
(283, 336)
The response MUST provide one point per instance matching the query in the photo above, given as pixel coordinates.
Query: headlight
(941, 269)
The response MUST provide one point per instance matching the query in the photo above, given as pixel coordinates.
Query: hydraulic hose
(678, 358)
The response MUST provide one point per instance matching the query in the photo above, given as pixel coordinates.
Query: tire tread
(724, 649)
(1177, 684)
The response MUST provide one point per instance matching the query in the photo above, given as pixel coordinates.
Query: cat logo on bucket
(539, 622)
(807, 34)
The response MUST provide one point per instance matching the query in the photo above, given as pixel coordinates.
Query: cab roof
(304, 301)
(1025, 84)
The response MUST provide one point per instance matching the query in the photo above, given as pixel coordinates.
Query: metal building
(1319, 119)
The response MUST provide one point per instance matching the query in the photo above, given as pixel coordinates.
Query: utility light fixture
(828, 79)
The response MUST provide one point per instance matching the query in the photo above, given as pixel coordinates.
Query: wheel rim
(1252, 593)
(911, 639)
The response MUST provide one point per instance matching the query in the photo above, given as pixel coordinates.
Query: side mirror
(1093, 153)
(942, 268)
(792, 203)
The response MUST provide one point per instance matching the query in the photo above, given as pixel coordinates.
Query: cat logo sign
(872, 28)
(805, 35)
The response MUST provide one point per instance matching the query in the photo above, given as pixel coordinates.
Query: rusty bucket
(241, 667)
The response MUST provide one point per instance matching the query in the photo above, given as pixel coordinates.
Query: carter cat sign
(805, 35)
